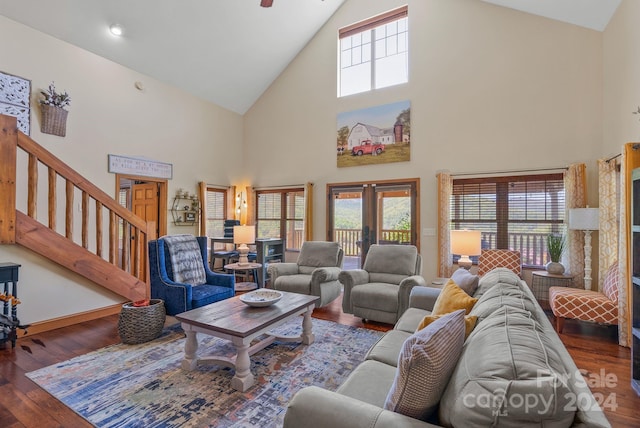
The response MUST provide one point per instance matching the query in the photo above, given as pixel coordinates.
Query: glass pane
(355, 79)
(380, 49)
(366, 36)
(392, 70)
(216, 213)
(269, 206)
(347, 225)
(268, 229)
(295, 234)
(215, 205)
(345, 58)
(356, 39)
(295, 205)
(402, 42)
(357, 56)
(402, 24)
(215, 228)
(380, 32)
(345, 43)
(394, 212)
(392, 45)
(392, 28)
(366, 52)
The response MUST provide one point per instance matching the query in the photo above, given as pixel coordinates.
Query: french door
(366, 213)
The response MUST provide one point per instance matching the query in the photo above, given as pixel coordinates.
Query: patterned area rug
(144, 386)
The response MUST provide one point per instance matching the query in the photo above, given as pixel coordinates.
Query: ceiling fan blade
(266, 3)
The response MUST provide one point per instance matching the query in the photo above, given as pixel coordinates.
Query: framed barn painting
(15, 99)
(374, 135)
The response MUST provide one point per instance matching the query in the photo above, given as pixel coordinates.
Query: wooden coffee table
(240, 324)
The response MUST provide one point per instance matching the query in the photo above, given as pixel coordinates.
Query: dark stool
(227, 257)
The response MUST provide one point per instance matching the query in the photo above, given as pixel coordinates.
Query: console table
(9, 318)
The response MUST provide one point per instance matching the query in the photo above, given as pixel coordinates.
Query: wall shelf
(185, 211)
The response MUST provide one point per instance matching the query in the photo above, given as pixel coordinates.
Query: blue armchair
(180, 275)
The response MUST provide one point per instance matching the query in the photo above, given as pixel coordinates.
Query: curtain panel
(575, 179)
(231, 202)
(308, 212)
(445, 189)
(252, 207)
(609, 195)
(629, 161)
(202, 194)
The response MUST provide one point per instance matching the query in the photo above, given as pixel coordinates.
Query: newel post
(8, 150)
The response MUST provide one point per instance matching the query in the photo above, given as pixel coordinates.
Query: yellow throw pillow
(469, 323)
(451, 299)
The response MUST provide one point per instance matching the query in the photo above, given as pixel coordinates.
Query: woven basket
(142, 323)
(54, 120)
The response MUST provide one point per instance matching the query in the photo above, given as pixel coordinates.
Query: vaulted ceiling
(225, 51)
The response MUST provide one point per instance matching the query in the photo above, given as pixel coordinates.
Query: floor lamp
(587, 220)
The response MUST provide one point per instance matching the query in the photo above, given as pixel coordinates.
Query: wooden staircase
(119, 264)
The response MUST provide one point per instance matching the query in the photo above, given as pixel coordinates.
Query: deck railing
(350, 239)
(532, 246)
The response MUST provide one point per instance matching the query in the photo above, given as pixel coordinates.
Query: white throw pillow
(466, 280)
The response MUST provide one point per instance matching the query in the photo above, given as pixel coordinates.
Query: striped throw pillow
(425, 364)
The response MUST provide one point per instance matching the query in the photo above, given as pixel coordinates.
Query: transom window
(515, 213)
(374, 53)
(280, 214)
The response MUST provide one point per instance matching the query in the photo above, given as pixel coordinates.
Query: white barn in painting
(361, 132)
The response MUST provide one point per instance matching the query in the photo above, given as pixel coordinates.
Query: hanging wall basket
(54, 120)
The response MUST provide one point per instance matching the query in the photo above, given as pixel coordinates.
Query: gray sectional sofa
(513, 372)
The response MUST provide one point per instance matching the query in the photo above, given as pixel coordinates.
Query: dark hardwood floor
(24, 404)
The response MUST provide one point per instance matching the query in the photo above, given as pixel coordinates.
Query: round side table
(247, 267)
(541, 281)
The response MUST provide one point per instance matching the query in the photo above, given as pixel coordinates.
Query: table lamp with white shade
(587, 220)
(466, 243)
(244, 235)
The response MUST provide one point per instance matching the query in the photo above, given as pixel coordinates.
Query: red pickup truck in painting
(367, 148)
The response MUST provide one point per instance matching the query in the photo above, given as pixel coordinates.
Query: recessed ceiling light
(116, 30)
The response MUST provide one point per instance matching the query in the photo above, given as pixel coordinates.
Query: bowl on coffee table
(261, 298)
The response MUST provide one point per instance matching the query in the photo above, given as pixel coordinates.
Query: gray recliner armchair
(315, 273)
(380, 290)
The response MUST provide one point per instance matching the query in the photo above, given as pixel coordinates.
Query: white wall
(621, 78)
(491, 89)
(109, 116)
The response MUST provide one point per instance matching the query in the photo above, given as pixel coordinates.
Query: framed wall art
(374, 135)
(15, 99)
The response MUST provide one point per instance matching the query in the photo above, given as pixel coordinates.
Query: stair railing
(126, 234)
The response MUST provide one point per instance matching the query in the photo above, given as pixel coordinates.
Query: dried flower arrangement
(55, 99)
